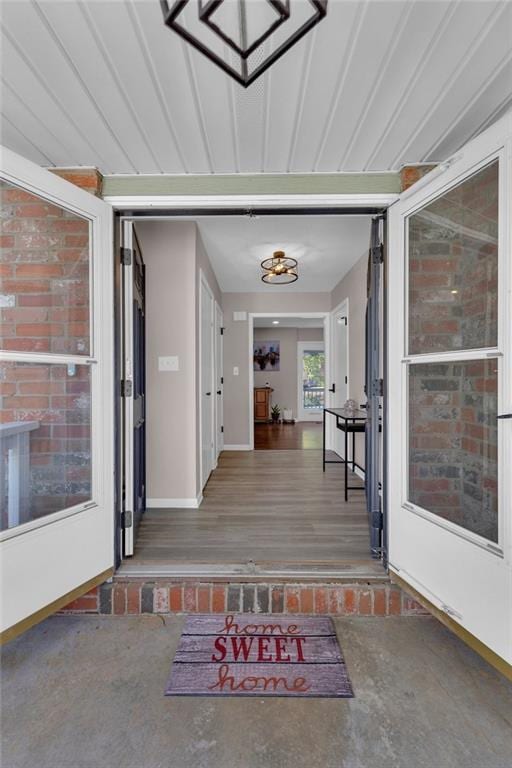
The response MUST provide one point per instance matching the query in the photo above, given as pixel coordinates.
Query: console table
(349, 422)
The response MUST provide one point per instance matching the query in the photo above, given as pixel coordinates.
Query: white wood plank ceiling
(375, 85)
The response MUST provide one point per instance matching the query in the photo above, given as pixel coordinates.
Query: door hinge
(126, 257)
(222, 429)
(346, 379)
(378, 388)
(127, 518)
(377, 254)
(126, 388)
(221, 331)
(222, 379)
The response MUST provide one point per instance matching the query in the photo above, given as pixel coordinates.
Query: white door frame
(343, 307)
(47, 559)
(302, 346)
(460, 573)
(203, 284)
(219, 380)
(275, 315)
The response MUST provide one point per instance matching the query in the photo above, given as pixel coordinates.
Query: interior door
(219, 382)
(56, 367)
(374, 390)
(339, 389)
(133, 389)
(206, 380)
(450, 388)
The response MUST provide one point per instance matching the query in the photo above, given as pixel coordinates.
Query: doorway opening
(287, 380)
(238, 383)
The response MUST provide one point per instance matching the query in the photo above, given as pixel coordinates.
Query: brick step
(121, 598)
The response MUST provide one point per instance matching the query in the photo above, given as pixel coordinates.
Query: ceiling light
(275, 322)
(280, 269)
(247, 27)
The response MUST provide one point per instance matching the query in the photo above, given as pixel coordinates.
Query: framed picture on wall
(266, 355)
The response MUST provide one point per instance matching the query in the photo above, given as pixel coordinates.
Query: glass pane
(453, 442)
(453, 268)
(44, 294)
(45, 440)
(313, 379)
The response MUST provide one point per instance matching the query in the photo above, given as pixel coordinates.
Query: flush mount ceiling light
(280, 269)
(257, 32)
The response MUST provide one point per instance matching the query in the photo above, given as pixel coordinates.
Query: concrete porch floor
(87, 692)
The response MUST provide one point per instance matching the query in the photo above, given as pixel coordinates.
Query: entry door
(219, 382)
(133, 389)
(338, 388)
(450, 388)
(374, 390)
(206, 380)
(56, 370)
(310, 380)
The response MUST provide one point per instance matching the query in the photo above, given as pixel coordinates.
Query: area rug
(259, 655)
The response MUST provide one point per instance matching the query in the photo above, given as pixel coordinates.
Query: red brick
(306, 600)
(292, 604)
(379, 602)
(119, 599)
(133, 599)
(218, 599)
(334, 600)
(277, 600)
(349, 601)
(38, 270)
(189, 599)
(203, 599)
(394, 601)
(175, 599)
(320, 600)
(365, 602)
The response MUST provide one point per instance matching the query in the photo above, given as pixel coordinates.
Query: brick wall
(124, 598)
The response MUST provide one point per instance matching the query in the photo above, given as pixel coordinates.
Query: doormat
(265, 655)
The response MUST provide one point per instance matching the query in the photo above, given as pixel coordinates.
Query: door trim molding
(17, 629)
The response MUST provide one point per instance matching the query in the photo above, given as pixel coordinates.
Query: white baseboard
(237, 448)
(359, 473)
(174, 503)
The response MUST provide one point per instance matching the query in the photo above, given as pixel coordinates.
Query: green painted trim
(257, 184)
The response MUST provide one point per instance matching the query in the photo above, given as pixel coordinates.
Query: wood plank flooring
(304, 435)
(262, 507)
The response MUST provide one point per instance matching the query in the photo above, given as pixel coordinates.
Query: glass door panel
(453, 268)
(452, 259)
(45, 256)
(453, 442)
(45, 440)
(313, 379)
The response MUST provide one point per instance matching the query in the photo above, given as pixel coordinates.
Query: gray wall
(284, 381)
(174, 255)
(237, 352)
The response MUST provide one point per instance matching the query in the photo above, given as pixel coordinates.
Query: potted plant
(275, 413)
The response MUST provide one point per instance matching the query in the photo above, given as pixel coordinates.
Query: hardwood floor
(272, 507)
(304, 435)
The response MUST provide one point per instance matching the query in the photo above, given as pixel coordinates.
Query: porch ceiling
(376, 85)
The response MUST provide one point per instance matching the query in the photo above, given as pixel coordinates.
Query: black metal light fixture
(259, 32)
(280, 269)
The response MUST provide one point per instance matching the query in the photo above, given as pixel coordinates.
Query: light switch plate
(171, 363)
(235, 370)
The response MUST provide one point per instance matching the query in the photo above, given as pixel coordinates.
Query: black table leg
(353, 450)
(323, 444)
(346, 464)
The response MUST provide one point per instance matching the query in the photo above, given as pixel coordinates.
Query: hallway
(268, 507)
